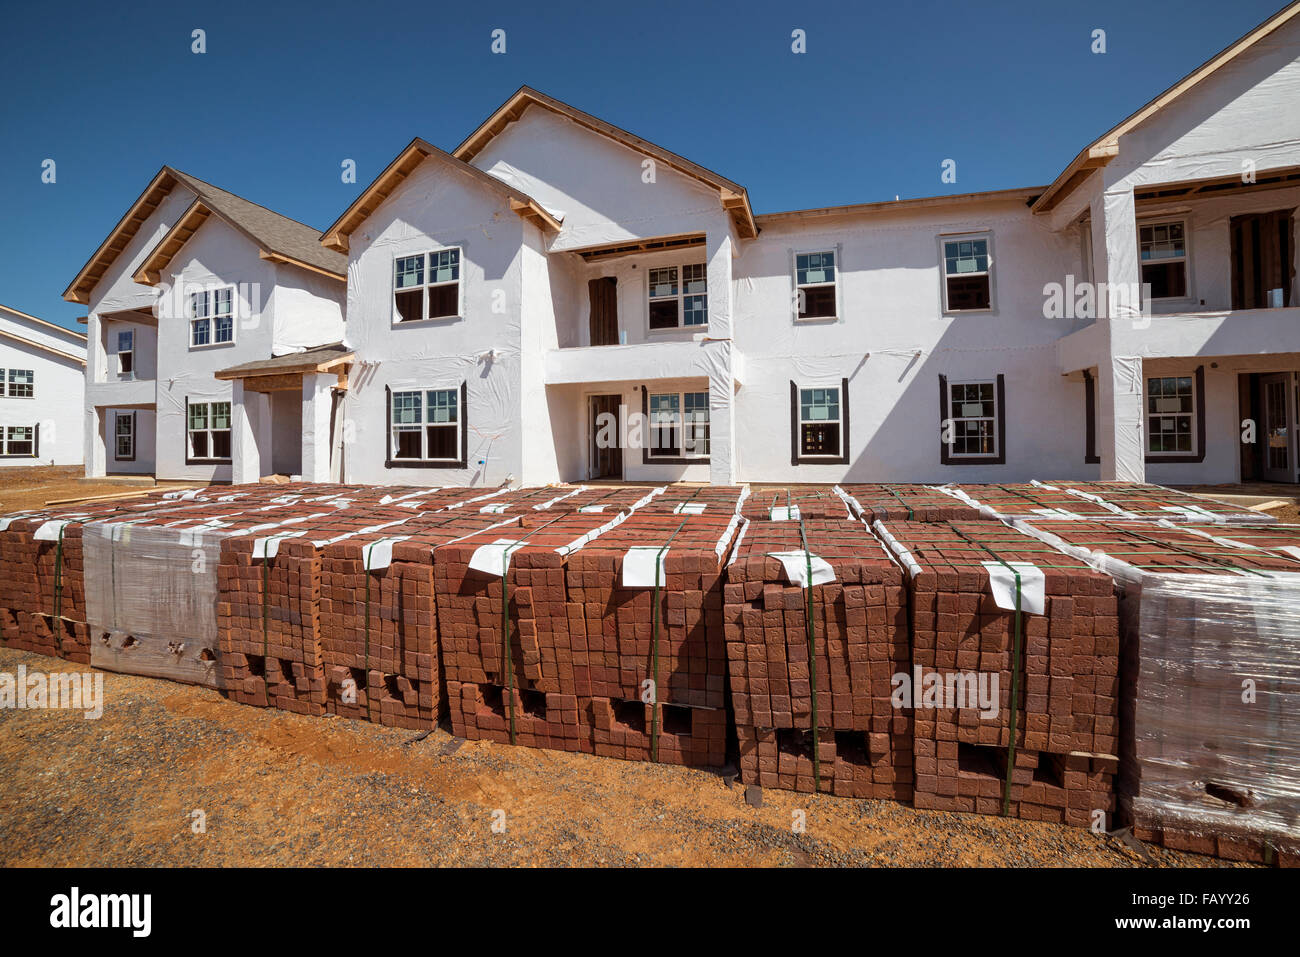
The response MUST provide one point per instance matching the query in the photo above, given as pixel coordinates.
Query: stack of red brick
(795, 502)
(963, 636)
(911, 503)
(863, 743)
(581, 646)
(1105, 501)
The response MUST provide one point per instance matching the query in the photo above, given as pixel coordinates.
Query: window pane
(125, 341)
(199, 445)
(696, 310)
(225, 328)
(1168, 280)
(817, 405)
(442, 441)
(663, 314)
(442, 406)
(695, 409)
(221, 415)
(221, 444)
(820, 439)
(409, 271)
(201, 329)
(21, 440)
(663, 282)
(406, 408)
(817, 302)
(968, 292)
(966, 256)
(221, 302)
(814, 268)
(22, 383)
(1162, 241)
(444, 301)
(406, 444)
(695, 279)
(444, 266)
(198, 304)
(199, 415)
(410, 304)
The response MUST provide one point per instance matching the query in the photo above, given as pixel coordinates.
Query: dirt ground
(279, 789)
(29, 487)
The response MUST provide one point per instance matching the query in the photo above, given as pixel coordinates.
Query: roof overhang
(734, 198)
(52, 326)
(1021, 195)
(296, 364)
(80, 288)
(1106, 148)
(523, 205)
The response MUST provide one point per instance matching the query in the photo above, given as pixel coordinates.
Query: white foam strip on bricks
(1195, 513)
(735, 550)
(721, 547)
(494, 558)
(1058, 513)
(582, 540)
(549, 503)
(961, 496)
(493, 509)
(321, 543)
(591, 509)
(643, 566)
(379, 555)
(468, 501)
(784, 513)
(269, 546)
(49, 532)
(851, 503)
(1098, 500)
(1033, 586)
(690, 508)
(389, 499)
(902, 554)
(796, 568)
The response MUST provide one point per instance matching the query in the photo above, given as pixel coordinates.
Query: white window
(967, 274)
(212, 317)
(209, 431)
(821, 423)
(678, 296)
(426, 426)
(1171, 414)
(18, 440)
(1163, 250)
(814, 279)
(679, 425)
(973, 411)
(124, 436)
(22, 384)
(427, 285)
(126, 354)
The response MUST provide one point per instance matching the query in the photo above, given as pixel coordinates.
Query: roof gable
(402, 166)
(732, 196)
(278, 237)
(1105, 148)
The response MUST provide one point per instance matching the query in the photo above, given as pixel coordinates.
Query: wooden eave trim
(274, 257)
(93, 271)
(305, 368)
(173, 241)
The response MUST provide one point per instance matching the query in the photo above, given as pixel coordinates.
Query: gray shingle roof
(270, 230)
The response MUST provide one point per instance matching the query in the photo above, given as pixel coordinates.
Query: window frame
(35, 439)
(130, 417)
(462, 437)
(678, 297)
(210, 317)
(128, 374)
(1197, 415)
(209, 459)
(797, 457)
(991, 272)
(9, 388)
(680, 456)
(1167, 219)
(795, 286)
(946, 455)
(425, 254)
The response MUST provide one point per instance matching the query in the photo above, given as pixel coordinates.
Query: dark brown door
(1278, 439)
(1263, 258)
(606, 437)
(604, 311)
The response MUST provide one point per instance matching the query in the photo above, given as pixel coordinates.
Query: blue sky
(286, 91)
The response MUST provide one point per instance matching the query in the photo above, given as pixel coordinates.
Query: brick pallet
(710, 500)
(861, 639)
(1105, 501)
(907, 502)
(793, 503)
(1209, 612)
(1066, 704)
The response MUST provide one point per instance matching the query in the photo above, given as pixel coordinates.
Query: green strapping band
(812, 655)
